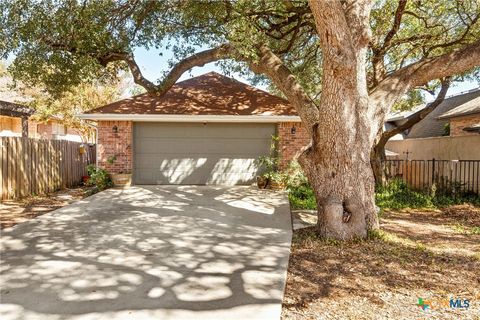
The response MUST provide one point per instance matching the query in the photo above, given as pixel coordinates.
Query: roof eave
(189, 118)
(449, 116)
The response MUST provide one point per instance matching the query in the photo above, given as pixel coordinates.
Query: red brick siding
(115, 144)
(457, 124)
(289, 145)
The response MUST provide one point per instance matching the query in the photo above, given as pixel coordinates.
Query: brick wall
(457, 124)
(115, 144)
(290, 144)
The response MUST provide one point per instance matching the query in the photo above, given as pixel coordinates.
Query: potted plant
(122, 179)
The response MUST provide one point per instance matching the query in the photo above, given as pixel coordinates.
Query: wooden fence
(36, 167)
(448, 176)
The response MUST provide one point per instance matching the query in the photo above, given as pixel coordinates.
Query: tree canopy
(63, 43)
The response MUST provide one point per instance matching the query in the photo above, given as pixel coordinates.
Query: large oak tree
(341, 63)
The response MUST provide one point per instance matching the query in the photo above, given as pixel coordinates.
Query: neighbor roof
(470, 107)
(15, 110)
(208, 94)
(430, 126)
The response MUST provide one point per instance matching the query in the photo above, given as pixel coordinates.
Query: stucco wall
(458, 123)
(440, 148)
(117, 144)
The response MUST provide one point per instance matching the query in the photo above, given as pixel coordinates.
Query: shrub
(98, 178)
(302, 197)
(397, 195)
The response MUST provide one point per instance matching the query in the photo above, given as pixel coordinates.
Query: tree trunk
(344, 191)
(377, 160)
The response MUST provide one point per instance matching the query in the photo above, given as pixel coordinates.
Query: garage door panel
(222, 165)
(209, 130)
(200, 146)
(169, 159)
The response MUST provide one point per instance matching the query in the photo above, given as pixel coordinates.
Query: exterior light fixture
(115, 129)
(293, 130)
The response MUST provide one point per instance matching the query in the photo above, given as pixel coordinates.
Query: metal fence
(448, 176)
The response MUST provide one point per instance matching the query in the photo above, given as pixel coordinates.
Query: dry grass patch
(418, 254)
(13, 212)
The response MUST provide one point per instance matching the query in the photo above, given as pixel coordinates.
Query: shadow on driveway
(151, 252)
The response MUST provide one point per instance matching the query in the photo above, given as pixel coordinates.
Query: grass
(395, 195)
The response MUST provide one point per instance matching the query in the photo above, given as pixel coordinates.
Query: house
(206, 130)
(464, 119)
(16, 121)
(434, 124)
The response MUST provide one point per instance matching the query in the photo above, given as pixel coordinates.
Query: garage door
(197, 153)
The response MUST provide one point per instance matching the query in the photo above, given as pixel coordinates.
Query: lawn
(431, 253)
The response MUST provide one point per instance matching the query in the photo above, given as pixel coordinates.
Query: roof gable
(208, 94)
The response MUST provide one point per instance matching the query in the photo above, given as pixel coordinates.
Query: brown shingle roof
(208, 94)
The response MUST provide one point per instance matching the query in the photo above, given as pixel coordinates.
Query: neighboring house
(398, 118)
(205, 130)
(434, 124)
(464, 119)
(16, 121)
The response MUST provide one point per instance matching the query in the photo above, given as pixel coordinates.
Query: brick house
(436, 123)
(16, 121)
(464, 120)
(206, 130)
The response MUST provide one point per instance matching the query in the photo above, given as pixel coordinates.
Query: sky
(153, 66)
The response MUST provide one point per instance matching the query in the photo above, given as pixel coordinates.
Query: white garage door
(197, 153)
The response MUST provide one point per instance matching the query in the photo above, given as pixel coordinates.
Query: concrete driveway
(151, 252)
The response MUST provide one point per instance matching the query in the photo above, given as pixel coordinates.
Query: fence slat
(29, 166)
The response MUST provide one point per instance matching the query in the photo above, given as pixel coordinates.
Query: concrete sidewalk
(151, 252)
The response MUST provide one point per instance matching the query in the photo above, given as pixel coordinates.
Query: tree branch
(199, 59)
(272, 66)
(396, 23)
(417, 116)
(423, 71)
(223, 51)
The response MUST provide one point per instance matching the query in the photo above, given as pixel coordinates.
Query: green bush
(397, 195)
(302, 197)
(99, 178)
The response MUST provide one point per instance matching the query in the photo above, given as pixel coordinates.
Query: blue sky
(153, 65)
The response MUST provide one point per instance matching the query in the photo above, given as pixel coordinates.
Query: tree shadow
(153, 251)
(326, 270)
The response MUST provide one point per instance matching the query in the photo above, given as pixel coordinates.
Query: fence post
(433, 171)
